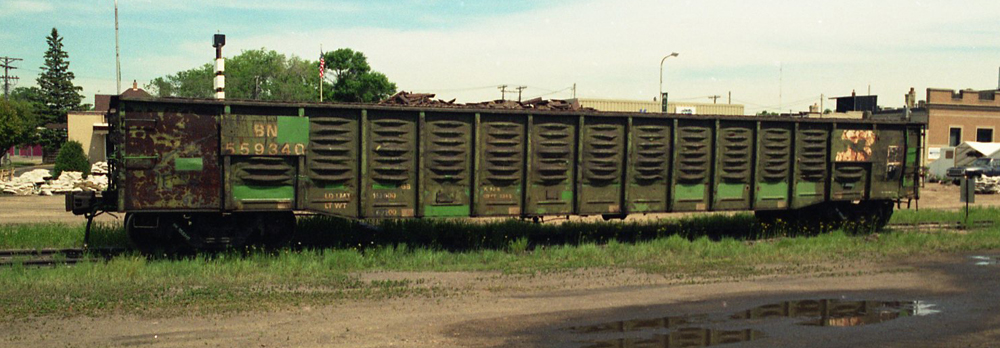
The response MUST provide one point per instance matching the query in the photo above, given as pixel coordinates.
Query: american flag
(322, 65)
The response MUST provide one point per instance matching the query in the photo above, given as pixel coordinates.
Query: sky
(769, 54)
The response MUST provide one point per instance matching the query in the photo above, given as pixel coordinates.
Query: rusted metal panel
(501, 164)
(332, 172)
(853, 148)
(774, 165)
(888, 154)
(553, 166)
(392, 139)
(734, 165)
(650, 164)
(602, 162)
(692, 165)
(447, 174)
(911, 165)
(171, 157)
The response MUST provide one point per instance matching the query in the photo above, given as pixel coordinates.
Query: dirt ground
(487, 309)
(494, 310)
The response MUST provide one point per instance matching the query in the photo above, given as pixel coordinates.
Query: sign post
(968, 194)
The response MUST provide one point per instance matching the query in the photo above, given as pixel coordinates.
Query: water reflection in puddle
(684, 337)
(839, 312)
(985, 260)
(683, 331)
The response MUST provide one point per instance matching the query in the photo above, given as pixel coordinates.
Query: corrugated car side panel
(501, 164)
(774, 165)
(446, 176)
(649, 164)
(551, 178)
(734, 165)
(692, 165)
(602, 163)
(811, 163)
(332, 170)
(391, 162)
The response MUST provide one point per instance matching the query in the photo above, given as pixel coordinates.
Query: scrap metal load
(427, 100)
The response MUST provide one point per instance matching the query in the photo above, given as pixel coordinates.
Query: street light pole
(662, 100)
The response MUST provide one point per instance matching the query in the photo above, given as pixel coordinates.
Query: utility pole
(781, 83)
(821, 100)
(714, 98)
(6, 74)
(574, 90)
(519, 89)
(503, 92)
(730, 97)
(118, 62)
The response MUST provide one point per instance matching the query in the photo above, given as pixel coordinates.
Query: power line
(519, 89)
(7, 67)
(503, 92)
(553, 92)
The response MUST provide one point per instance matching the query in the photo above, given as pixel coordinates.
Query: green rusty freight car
(226, 172)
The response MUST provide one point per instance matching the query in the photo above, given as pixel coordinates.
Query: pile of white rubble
(40, 182)
(988, 184)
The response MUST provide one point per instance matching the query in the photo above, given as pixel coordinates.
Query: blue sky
(768, 53)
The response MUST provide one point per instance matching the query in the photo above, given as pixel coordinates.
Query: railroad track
(950, 225)
(52, 257)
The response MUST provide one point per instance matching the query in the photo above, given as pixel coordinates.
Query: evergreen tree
(58, 94)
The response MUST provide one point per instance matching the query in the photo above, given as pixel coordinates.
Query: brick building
(958, 116)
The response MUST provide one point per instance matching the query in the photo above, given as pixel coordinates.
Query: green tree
(17, 122)
(31, 95)
(71, 158)
(192, 83)
(354, 80)
(767, 113)
(58, 94)
(268, 75)
(253, 74)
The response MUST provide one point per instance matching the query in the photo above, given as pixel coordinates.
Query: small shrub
(518, 246)
(71, 158)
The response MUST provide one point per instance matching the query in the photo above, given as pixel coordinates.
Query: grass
(325, 266)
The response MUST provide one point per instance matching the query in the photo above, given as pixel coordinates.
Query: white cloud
(21, 7)
(612, 49)
(258, 5)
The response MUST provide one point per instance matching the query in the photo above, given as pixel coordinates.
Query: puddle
(985, 260)
(839, 312)
(684, 337)
(684, 331)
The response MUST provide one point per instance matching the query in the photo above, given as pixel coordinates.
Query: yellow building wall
(80, 127)
(618, 105)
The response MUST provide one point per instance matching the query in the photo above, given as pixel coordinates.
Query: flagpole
(321, 67)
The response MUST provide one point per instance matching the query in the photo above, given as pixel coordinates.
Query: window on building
(984, 135)
(955, 136)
